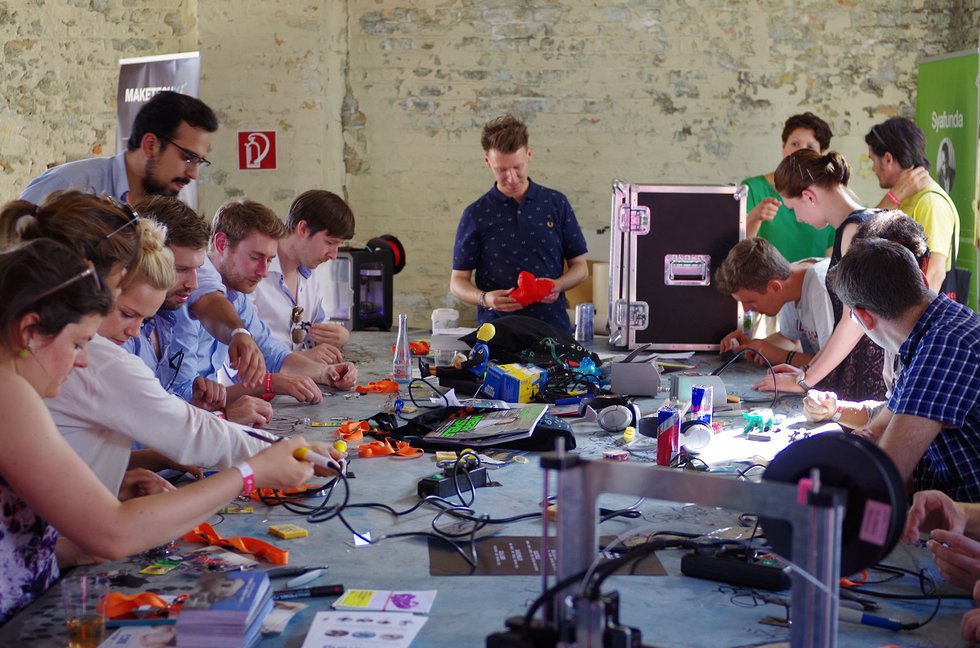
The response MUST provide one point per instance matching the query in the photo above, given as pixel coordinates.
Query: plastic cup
(85, 620)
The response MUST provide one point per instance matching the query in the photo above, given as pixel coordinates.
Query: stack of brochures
(488, 427)
(225, 609)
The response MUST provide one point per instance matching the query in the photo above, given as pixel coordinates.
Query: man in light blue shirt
(244, 240)
(187, 239)
(165, 152)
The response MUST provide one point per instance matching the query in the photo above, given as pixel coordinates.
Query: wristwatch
(801, 382)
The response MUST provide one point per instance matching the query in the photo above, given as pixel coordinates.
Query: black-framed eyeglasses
(175, 361)
(132, 216)
(87, 272)
(190, 157)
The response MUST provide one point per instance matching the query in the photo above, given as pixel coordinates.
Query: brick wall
(383, 100)
(60, 71)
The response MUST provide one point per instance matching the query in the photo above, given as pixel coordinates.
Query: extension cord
(735, 571)
(444, 485)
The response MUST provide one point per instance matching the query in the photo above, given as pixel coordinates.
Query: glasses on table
(191, 158)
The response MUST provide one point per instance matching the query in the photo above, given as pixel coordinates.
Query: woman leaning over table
(815, 187)
(53, 303)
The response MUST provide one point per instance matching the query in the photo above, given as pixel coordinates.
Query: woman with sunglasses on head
(117, 400)
(814, 186)
(53, 305)
(95, 228)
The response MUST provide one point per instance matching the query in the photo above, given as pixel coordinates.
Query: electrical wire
(772, 372)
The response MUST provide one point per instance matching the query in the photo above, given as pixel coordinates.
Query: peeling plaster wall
(274, 66)
(383, 100)
(667, 92)
(60, 70)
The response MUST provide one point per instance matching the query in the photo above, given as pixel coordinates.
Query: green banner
(946, 110)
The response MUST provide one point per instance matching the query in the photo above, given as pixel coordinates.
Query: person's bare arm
(910, 182)
(936, 271)
(461, 286)
(765, 210)
(905, 438)
(219, 318)
(576, 271)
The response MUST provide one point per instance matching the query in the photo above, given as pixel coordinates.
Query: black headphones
(611, 413)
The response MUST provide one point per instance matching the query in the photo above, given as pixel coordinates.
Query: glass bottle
(401, 364)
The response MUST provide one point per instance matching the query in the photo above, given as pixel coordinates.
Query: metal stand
(817, 524)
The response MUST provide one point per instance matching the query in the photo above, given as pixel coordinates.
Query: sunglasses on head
(132, 216)
(87, 272)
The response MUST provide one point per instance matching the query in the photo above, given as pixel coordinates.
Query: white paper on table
(448, 398)
(363, 629)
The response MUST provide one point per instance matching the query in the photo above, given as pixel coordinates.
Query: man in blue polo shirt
(517, 225)
(931, 426)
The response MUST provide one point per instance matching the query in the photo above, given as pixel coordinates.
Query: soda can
(584, 320)
(668, 435)
(702, 403)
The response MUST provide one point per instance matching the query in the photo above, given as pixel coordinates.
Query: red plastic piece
(530, 289)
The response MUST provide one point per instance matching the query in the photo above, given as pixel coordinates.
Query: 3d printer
(358, 284)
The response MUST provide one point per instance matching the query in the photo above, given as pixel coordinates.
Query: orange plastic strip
(385, 386)
(400, 449)
(205, 533)
(352, 430)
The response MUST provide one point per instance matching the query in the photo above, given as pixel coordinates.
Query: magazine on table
(489, 426)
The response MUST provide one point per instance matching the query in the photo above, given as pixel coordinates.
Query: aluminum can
(668, 435)
(702, 403)
(584, 322)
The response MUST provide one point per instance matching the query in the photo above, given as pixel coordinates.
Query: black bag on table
(522, 339)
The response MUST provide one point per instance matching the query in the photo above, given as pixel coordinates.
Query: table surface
(671, 610)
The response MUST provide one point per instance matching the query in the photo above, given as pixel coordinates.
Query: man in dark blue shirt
(931, 426)
(517, 225)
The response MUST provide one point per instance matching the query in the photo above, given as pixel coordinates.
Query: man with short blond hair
(517, 225)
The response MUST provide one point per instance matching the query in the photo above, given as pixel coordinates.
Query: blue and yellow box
(514, 383)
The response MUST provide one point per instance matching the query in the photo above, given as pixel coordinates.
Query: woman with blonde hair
(54, 301)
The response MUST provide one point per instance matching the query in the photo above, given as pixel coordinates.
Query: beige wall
(383, 100)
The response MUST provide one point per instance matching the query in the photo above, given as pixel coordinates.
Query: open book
(485, 427)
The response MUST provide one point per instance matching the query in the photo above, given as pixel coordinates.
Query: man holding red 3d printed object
(516, 226)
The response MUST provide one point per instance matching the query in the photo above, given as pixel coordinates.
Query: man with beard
(244, 241)
(187, 239)
(165, 152)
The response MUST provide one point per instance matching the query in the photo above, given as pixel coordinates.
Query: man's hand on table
(250, 411)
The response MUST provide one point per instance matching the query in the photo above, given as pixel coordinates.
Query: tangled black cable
(564, 382)
(772, 372)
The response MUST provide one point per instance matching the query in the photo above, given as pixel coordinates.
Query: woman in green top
(768, 217)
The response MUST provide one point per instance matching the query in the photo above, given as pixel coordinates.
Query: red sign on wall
(256, 150)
